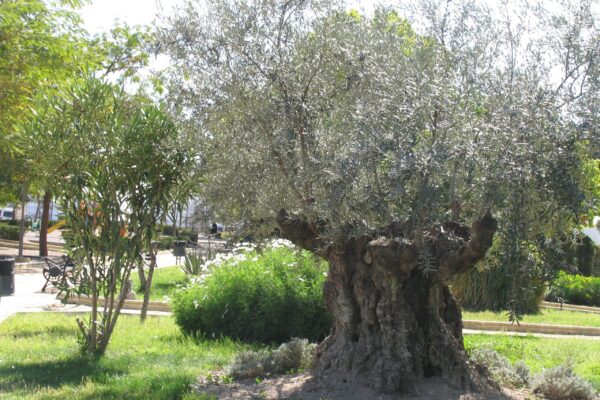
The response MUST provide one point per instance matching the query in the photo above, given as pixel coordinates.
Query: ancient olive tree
(373, 140)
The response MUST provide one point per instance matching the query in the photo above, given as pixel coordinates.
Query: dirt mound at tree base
(306, 387)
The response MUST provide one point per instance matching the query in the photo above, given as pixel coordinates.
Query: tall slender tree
(123, 163)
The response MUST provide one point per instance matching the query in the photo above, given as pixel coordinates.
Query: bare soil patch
(304, 386)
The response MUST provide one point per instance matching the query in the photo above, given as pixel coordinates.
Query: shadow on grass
(52, 331)
(166, 387)
(53, 373)
(101, 381)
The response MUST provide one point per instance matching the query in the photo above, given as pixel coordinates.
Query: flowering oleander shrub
(268, 296)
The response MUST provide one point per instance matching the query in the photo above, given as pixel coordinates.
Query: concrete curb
(570, 307)
(128, 304)
(531, 328)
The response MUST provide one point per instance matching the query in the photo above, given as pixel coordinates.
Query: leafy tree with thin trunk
(118, 161)
(385, 147)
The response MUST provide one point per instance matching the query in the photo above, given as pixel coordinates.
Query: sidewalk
(29, 298)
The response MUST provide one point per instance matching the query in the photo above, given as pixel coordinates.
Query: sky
(101, 15)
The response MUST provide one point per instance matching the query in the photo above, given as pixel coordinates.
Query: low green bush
(182, 233)
(17, 223)
(500, 370)
(561, 383)
(166, 230)
(268, 297)
(189, 234)
(292, 356)
(575, 289)
(9, 232)
(165, 243)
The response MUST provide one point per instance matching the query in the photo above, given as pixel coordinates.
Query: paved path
(29, 298)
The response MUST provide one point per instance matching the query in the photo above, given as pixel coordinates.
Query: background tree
(39, 47)
(43, 47)
(376, 142)
(113, 161)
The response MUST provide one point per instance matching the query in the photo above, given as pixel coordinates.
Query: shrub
(267, 297)
(165, 243)
(498, 284)
(500, 370)
(9, 232)
(17, 223)
(582, 253)
(575, 289)
(183, 233)
(189, 234)
(195, 260)
(292, 356)
(561, 383)
(167, 230)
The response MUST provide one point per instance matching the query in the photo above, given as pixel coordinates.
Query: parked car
(6, 214)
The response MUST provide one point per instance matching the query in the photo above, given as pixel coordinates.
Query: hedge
(9, 232)
(575, 289)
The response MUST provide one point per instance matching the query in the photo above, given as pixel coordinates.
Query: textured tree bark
(44, 225)
(395, 320)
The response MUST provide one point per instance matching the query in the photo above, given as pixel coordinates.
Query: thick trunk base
(395, 320)
(390, 330)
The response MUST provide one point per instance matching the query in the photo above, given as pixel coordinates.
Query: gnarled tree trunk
(395, 320)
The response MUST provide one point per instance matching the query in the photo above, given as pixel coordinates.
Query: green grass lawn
(541, 352)
(546, 316)
(39, 359)
(163, 282)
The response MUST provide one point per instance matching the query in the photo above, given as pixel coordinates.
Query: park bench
(60, 272)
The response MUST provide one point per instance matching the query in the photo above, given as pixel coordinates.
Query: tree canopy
(40, 45)
(310, 107)
(43, 47)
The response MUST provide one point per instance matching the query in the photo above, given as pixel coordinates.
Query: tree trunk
(148, 284)
(141, 275)
(22, 221)
(395, 320)
(175, 221)
(44, 225)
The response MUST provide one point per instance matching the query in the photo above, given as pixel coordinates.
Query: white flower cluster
(277, 243)
(241, 252)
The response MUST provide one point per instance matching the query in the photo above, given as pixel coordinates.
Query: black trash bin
(179, 248)
(7, 276)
